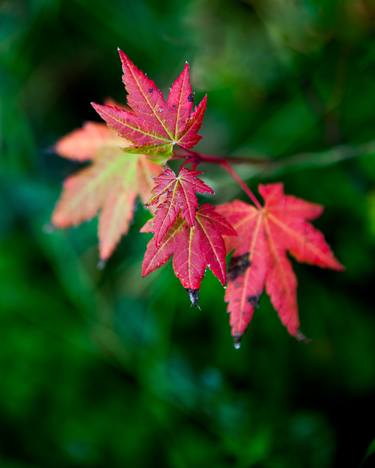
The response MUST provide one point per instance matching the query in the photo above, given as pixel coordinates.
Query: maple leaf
(173, 195)
(109, 185)
(155, 125)
(260, 254)
(194, 248)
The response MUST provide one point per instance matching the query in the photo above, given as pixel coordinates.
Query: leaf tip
(193, 296)
(58, 221)
(237, 341)
(204, 100)
(123, 57)
(302, 338)
(101, 264)
(339, 266)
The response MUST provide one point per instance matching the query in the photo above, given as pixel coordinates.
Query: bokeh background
(99, 368)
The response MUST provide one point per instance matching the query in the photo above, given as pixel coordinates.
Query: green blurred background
(104, 369)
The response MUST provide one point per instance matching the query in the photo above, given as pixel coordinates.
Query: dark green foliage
(104, 369)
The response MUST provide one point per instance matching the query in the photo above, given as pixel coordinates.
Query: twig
(195, 158)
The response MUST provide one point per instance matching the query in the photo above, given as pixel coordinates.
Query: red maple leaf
(109, 185)
(196, 237)
(264, 236)
(173, 195)
(153, 124)
(194, 248)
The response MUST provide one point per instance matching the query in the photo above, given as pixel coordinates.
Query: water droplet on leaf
(237, 341)
(193, 296)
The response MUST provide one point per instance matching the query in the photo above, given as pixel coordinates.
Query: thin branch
(320, 158)
(196, 158)
(235, 176)
(325, 157)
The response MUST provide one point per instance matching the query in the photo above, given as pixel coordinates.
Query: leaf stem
(235, 176)
(195, 158)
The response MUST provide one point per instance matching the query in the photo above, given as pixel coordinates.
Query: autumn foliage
(128, 158)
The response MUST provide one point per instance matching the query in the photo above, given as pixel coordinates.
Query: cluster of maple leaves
(128, 158)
